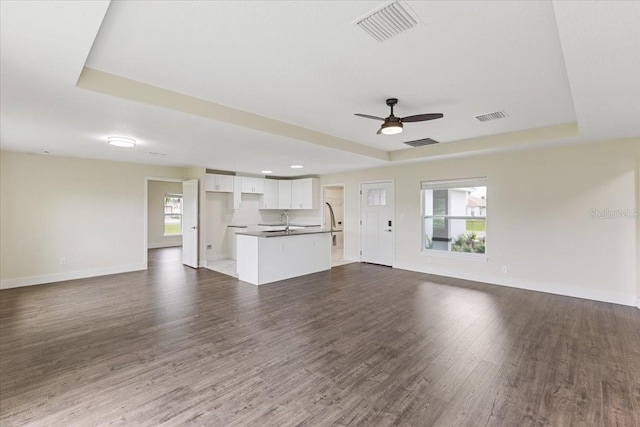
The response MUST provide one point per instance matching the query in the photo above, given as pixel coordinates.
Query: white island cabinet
(265, 257)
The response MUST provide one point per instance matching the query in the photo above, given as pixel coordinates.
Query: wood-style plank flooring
(359, 345)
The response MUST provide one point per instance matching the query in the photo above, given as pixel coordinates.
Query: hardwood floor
(359, 345)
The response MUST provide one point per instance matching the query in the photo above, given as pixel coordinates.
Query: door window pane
(377, 197)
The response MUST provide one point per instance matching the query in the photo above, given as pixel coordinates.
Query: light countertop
(284, 233)
(291, 224)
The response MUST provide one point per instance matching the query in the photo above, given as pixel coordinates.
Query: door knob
(195, 227)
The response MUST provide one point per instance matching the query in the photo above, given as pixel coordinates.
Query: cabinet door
(247, 184)
(219, 183)
(270, 198)
(305, 193)
(258, 185)
(297, 193)
(284, 194)
(236, 197)
(210, 182)
(225, 183)
(252, 185)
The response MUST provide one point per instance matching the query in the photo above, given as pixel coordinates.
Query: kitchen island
(269, 256)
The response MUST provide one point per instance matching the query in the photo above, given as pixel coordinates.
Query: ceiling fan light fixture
(120, 141)
(393, 125)
(391, 128)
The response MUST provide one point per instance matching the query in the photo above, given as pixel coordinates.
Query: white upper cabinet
(236, 196)
(284, 194)
(271, 194)
(220, 183)
(252, 185)
(305, 193)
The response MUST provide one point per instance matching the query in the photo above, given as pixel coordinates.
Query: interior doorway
(333, 219)
(162, 214)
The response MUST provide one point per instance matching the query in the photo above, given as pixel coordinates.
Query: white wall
(155, 211)
(91, 212)
(539, 218)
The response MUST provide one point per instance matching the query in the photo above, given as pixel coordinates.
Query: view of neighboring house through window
(455, 215)
(172, 214)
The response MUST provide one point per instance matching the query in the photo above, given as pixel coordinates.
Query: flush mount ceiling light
(265, 172)
(296, 166)
(120, 141)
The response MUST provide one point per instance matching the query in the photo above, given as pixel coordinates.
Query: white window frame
(164, 214)
(448, 184)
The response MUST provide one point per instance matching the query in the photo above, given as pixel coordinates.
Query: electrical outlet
(63, 261)
(504, 269)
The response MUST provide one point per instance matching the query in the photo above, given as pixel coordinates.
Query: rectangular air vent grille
(421, 142)
(388, 21)
(492, 116)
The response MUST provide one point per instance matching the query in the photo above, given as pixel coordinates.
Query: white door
(190, 223)
(376, 217)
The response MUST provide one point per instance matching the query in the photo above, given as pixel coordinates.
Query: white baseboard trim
(70, 275)
(218, 257)
(550, 288)
(638, 304)
(163, 245)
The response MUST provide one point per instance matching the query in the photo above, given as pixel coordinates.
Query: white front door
(376, 217)
(190, 223)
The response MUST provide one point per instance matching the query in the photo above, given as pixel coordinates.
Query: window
(455, 215)
(172, 214)
(377, 197)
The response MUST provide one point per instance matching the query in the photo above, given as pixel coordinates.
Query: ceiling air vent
(421, 142)
(388, 21)
(492, 116)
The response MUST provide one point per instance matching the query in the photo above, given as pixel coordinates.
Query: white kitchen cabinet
(305, 193)
(271, 196)
(236, 196)
(284, 194)
(268, 259)
(219, 183)
(232, 240)
(251, 185)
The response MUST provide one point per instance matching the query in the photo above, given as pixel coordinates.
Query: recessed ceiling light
(296, 166)
(120, 141)
(266, 171)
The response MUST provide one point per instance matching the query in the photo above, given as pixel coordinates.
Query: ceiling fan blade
(379, 131)
(366, 116)
(422, 117)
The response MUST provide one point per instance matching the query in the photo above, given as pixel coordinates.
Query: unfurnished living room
(318, 213)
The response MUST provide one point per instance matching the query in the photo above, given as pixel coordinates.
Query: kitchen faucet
(286, 215)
